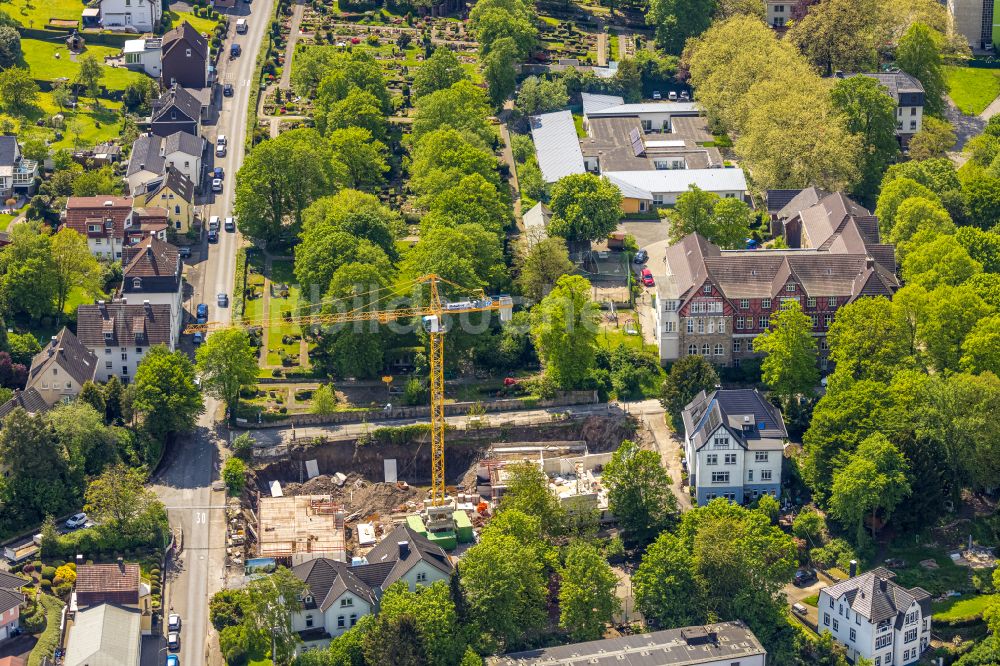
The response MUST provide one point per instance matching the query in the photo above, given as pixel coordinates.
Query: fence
(424, 411)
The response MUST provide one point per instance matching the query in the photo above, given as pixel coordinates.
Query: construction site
(337, 499)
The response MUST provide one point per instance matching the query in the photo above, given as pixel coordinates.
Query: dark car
(213, 235)
(185, 251)
(227, 90)
(235, 50)
(201, 312)
(641, 257)
(219, 173)
(230, 224)
(804, 577)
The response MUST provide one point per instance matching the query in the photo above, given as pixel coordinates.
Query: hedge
(58, 34)
(240, 283)
(48, 640)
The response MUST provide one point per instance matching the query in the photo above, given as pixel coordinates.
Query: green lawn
(947, 576)
(93, 126)
(811, 600)
(581, 133)
(197, 22)
(78, 297)
(972, 88)
(40, 56)
(36, 13)
(282, 272)
(959, 608)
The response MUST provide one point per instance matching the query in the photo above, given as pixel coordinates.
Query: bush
(46, 585)
(234, 475)
(62, 590)
(48, 573)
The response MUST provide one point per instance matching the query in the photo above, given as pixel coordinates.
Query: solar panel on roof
(636, 138)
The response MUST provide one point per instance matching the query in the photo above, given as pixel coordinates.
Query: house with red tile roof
(102, 220)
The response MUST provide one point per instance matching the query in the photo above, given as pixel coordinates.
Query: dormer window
(94, 228)
(137, 283)
(187, 53)
(707, 289)
(108, 336)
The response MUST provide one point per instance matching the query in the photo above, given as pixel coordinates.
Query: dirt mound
(361, 496)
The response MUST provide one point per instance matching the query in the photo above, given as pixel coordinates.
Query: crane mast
(438, 507)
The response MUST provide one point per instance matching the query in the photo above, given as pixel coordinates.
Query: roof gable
(67, 352)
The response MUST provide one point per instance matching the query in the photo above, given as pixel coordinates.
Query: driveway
(646, 232)
(20, 646)
(153, 651)
(796, 594)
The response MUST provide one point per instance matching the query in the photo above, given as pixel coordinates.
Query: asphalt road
(184, 482)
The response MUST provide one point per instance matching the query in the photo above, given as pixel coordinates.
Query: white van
(241, 26)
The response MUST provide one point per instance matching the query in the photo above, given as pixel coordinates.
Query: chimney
(839, 74)
(404, 549)
(103, 307)
(854, 568)
(883, 584)
(148, 307)
(121, 564)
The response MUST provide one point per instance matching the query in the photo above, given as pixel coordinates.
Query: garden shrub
(48, 573)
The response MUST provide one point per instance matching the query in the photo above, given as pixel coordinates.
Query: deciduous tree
(874, 480)
(870, 113)
(676, 20)
(936, 260)
(839, 35)
(639, 492)
(541, 95)
(666, 587)
(919, 54)
(18, 91)
(935, 138)
(981, 347)
(444, 157)
(363, 157)
(528, 492)
(687, 377)
(164, 392)
(10, 46)
(564, 327)
(226, 363)
(587, 601)
(540, 264)
(442, 70)
(119, 500)
(585, 207)
(499, 70)
(790, 365)
(75, 267)
(725, 222)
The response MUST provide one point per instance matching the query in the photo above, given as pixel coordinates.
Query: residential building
(118, 584)
(104, 634)
(734, 442)
(722, 644)
(299, 528)
(132, 15)
(120, 333)
(185, 57)
(620, 144)
(973, 20)
(12, 661)
(144, 55)
(152, 271)
(150, 222)
(177, 110)
(59, 371)
(152, 155)
(908, 93)
(338, 595)
(779, 14)
(17, 174)
(644, 190)
(714, 302)
(102, 220)
(11, 600)
(173, 192)
(875, 618)
(30, 400)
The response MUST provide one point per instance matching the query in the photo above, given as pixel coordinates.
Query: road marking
(209, 507)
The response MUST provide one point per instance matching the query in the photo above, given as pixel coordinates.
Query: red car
(647, 277)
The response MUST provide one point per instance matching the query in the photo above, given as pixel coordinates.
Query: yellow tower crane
(432, 316)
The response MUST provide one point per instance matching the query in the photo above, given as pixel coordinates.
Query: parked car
(173, 622)
(201, 313)
(227, 90)
(216, 184)
(230, 224)
(223, 299)
(241, 26)
(672, 96)
(657, 95)
(76, 521)
(219, 172)
(641, 257)
(173, 641)
(213, 223)
(804, 577)
(173, 660)
(185, 251)
(213, 236)
(199, 337)
(220, 146)
(799, 609)
(685, 96)
(235, 50)
(647, 277)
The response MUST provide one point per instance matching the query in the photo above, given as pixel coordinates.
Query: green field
(36, 13)
(960, 608)
(972, 88)
(41, 57)
(197, 22)
(93, 127)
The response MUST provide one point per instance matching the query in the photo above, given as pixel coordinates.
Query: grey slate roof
(726, 642)
(104, 635)
(10, 599)
(123, 321)
(185, 36)
(778, 199)
(66, 351)
(8, 150)
(9, 581)
(178, 98)
(746, 414)
(174, 180)
(30, 400)
(328, 579)
(182, 142)
(803, 199)
(145, 156)
(874, 595)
